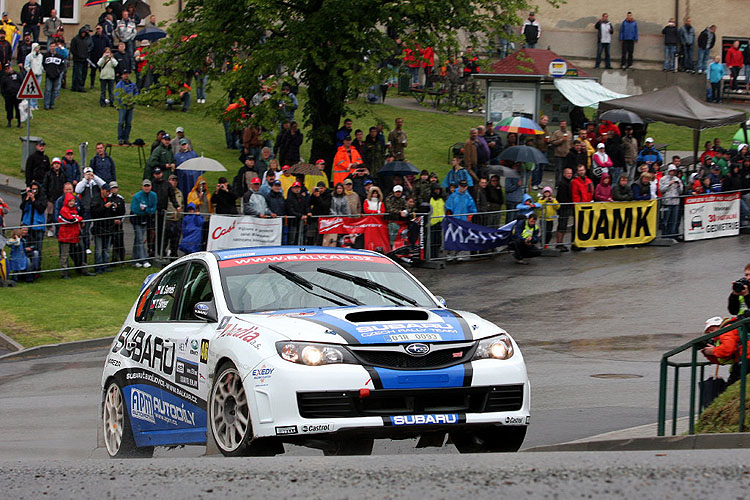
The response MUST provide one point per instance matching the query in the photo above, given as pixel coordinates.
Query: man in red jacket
(69, 233)
(735, 61)
(581, 187)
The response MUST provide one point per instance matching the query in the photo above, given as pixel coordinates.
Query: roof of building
(529, 62)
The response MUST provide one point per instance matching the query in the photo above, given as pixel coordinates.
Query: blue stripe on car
(452, 376)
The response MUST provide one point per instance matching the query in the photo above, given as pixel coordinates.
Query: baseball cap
(68, 151)
(296, 185)
(368, 182)
(87, 170)
(277, 183)
(463, 183)
(146, 182)
(255, 180)
(113, 185)
(320, 161)
(321, 184)
(183, 141)
(397, 188)
(5, 14)
(348, 181)
(157, 170)
(41, 143)
(166, 136)
(348, 138)
(57, 160)
(671, 167)
(285, 167)
(649, 139)
(180, 129)
(600, 145)
(715, 321)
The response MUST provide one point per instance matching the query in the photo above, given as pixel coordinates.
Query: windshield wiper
(308, 286)
(366, 283)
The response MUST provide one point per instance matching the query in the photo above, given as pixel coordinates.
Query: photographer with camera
(725, 348)
(224, 199)
(33, 206)
(737, 303)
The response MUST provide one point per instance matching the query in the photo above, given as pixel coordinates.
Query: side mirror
(205, 311)
(441, 300)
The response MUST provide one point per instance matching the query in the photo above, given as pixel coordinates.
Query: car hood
(373, 325)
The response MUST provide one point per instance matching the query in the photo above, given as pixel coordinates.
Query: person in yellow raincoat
(200, 196)
(548, 211)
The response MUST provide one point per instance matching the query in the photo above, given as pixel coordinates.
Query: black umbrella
(620, 115)
(398, 168)
(524, 154)
(150, 34)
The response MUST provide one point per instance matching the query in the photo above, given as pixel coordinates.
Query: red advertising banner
(374, 229)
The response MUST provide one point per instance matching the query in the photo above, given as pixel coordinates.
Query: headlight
(497, 347)
(306, 353)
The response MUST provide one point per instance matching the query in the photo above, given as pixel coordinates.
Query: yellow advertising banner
(615, 223)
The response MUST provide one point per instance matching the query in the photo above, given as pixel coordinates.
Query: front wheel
(490, 440)
(118, 435)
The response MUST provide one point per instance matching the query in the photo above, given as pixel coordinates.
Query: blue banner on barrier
(461, 235)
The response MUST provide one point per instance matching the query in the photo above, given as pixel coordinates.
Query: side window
(165, 294)
(197, 288)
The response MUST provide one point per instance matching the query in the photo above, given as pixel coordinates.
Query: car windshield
(250, 285)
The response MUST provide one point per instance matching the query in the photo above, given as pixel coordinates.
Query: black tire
(225, 404)
(115, 418)
(490, 440)
(351, 447)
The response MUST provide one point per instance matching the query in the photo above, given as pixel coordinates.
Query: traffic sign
(30, 88)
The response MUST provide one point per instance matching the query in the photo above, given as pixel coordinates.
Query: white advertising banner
(712, 216)
(237, 232)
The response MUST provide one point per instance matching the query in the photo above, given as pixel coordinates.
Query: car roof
(238, 253)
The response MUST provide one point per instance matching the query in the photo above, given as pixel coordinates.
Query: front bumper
(294, 400)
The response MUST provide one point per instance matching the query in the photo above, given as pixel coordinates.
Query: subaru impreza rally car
(326, 347)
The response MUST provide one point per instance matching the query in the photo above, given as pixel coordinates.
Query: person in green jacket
(161, 157)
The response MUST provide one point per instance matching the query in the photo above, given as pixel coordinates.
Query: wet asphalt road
(592, 327)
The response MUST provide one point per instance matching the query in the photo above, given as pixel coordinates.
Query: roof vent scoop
(380, 315)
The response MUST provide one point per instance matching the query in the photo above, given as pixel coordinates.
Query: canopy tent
(674, 105)
(585, 93)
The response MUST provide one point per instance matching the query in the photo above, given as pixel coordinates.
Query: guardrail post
(743, 374)
(662, 397)
(693, 369)
(675, 399)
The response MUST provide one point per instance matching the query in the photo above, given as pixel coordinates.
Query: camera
(739, 285)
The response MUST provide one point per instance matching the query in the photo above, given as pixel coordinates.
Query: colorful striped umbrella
(519, 125)
(89, 3)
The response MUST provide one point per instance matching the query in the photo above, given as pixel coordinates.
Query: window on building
(67, 10)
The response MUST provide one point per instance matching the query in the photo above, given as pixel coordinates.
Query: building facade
(569, 29)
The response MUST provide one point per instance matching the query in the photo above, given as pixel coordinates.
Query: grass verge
(723, 414)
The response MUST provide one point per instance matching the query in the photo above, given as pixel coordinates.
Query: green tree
(335, 48)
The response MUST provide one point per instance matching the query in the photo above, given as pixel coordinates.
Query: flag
(462, 235)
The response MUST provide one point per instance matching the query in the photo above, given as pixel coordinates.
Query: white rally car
(324, 347)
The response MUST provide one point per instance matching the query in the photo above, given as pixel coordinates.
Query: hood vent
(387, 315)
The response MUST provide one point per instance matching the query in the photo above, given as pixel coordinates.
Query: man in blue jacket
(628, 39)
(649, 155)
(125, 107)
(103, 165)
(143, 208)
(460, 202)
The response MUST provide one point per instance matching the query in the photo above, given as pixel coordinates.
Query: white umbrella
(203, 164)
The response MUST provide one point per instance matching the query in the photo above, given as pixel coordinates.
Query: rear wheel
(118, 435)
(490, 440)
(351, 447)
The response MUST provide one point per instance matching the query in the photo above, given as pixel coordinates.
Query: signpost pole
(30, 89)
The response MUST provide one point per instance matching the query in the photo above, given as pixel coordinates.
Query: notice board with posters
(712, 216)
(607, 224)
(506, 99)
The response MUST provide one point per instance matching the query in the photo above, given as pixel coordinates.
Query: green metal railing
(695, 345)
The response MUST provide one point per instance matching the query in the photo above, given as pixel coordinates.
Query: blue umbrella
(524, 154)
(150, 34)
(398, 168)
